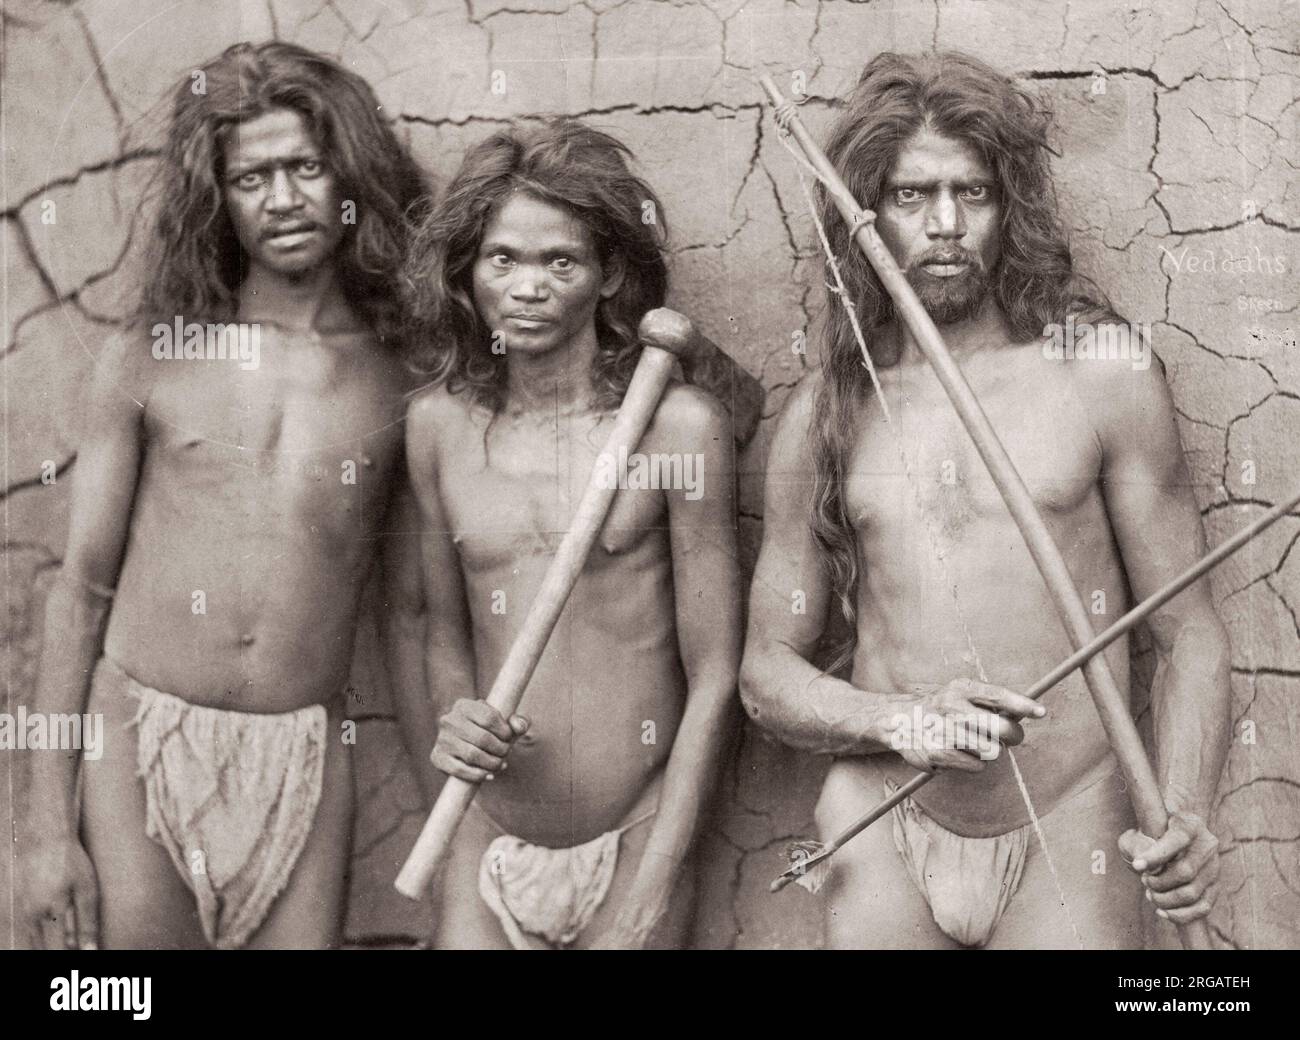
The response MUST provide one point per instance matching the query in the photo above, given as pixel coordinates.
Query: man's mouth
(286, 236)
(945, 267)
(528, 321)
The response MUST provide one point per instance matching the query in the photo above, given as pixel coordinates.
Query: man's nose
(945, 218)
(528, 284)
(284, 196)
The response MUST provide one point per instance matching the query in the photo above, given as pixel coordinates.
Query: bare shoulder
(688, 413)
(435, 416)
(798, 407)
(128, 350)
(1125, 394)
(1124, 376)
(435, 406)
(793, 438)
(125, 369)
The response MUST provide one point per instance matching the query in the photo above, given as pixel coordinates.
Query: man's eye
(499, 260)
(978, 192)
(905, 195)
(311, 167)
(249, 181)
(563, 263)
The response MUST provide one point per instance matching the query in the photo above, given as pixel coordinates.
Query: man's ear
(614, 270)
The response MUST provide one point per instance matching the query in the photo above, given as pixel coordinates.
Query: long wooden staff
(1099, 643)
(653, 369)
(1111, 706)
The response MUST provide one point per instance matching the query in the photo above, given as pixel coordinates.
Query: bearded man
(904, 530)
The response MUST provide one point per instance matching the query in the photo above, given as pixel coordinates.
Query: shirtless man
(934, 578)
(223, 524)
(539, 248)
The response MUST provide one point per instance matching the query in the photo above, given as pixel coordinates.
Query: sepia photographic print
(651, 474)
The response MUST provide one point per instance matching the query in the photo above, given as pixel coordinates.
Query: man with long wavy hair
(536, 279)
(229, 487)
(900, 525)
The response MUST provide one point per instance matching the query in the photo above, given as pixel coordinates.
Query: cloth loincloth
(545, 897)
(967, 882)
(232, 797)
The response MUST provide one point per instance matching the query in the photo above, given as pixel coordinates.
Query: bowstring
(783, 114)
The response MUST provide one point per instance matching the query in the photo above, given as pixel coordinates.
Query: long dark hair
(1034, 282)
(569, 165)
(196, 263)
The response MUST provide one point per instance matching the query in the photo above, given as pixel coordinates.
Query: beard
(954, 299)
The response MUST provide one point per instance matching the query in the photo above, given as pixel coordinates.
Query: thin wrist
(878, 723)
(1181, 798)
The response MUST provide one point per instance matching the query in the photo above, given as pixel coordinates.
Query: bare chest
(512, 494)
(922, 466)
(314, 438)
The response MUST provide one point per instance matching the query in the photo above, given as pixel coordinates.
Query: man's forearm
(405, 638)
(692, 772)
(712, 369)
(813, 711)
(75, 618)
(1191, 703)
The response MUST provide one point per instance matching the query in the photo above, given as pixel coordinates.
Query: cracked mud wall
(1177, 178)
